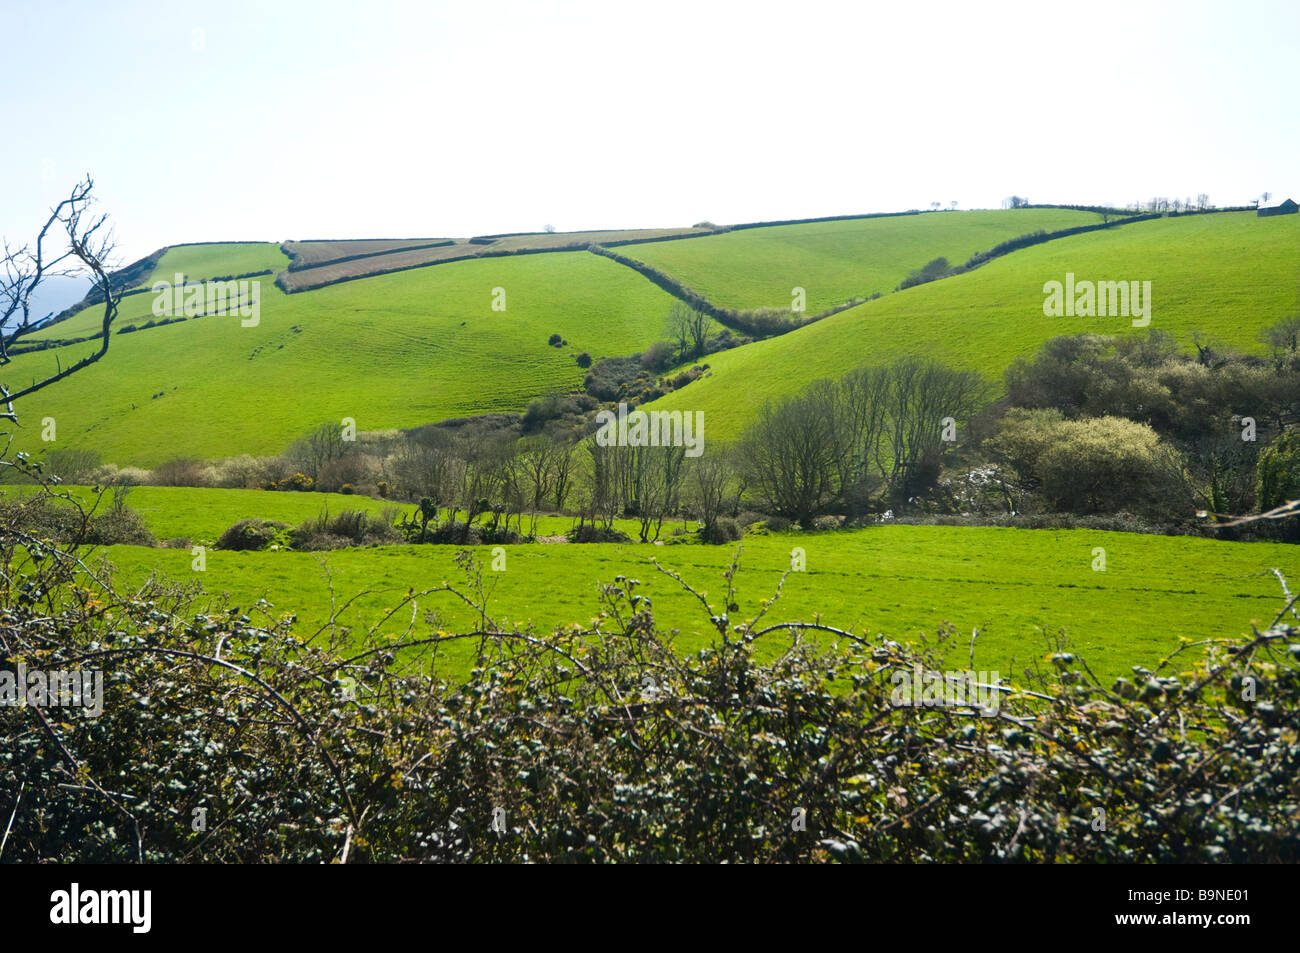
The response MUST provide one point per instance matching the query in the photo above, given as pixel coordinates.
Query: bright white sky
(278, 120)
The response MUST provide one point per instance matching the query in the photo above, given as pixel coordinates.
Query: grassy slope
(1226, 276)
(197, 262)
(836, 261)
(1015, 585)
(396, 350)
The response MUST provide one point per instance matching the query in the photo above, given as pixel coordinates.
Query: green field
(1018, 587)
(837, 261)
(202, 515)
(1226, 276)
(198, 262)
(392, 351)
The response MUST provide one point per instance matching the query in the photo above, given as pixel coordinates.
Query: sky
(285, 120)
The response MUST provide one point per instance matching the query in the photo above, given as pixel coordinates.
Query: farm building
(1285, 207)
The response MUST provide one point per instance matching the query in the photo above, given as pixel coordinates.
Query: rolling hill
(425, 344)
(835, 261)
(391, 351)
(1225, 276)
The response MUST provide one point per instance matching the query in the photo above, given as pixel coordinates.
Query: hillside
(391, 351)
(424, 344)
(1225, 276)
(836, 261)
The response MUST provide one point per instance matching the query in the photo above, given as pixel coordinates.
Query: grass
(1224, 276)
(202, 514)
(836, 261)
(392, 351)
(199, 262)
(1020, 588)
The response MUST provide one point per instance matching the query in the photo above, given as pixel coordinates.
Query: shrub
(1092, 464)
(1111, 463)
(610, 377)
(554, 340)
(179, 472)
(657, 356)
(242, 472)
(348, 528)
(931, 271)
(119, 525)
(71, 465)
(583, 359)
(353, 470)
(66, 522)
(720, 531)
(590, 533)
(498, 536)
(1279, 471)
(445, 533)
(298, 481)
(249, 535)
(540, 410)
(110, 474)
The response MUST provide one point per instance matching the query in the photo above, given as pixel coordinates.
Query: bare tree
(922, 394)
(711, 486)
(324, 445)
(791, 454)
(657, 482)
(690, 328)
(84, 245)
